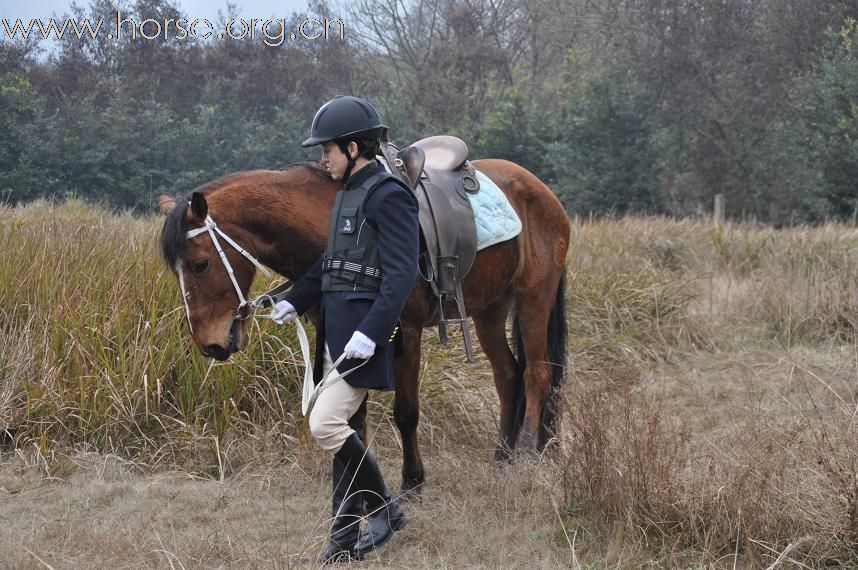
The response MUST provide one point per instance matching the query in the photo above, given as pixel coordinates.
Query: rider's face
(334, 160)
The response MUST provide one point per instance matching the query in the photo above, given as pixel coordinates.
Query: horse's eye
(201, 266)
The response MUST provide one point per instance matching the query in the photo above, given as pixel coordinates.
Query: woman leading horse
(281, 219)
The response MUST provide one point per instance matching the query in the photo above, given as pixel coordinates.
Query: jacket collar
(361, 175)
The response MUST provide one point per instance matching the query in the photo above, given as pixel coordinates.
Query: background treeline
(650, 106)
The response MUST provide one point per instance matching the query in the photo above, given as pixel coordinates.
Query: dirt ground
(104, 513)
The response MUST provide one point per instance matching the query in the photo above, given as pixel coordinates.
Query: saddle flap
(443, 152)
(448, 226)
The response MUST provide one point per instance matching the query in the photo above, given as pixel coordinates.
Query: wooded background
(621, 106)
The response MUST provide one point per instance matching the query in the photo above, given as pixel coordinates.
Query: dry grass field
(708, 416)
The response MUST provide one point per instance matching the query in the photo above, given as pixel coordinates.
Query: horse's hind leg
(533, 308)
(490, 324)
(406, 408)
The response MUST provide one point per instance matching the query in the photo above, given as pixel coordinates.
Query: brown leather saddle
(438, 170)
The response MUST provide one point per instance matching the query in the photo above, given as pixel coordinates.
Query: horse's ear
(166, 204)
(199, 206)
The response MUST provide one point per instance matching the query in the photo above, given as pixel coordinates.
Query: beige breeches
(338, 402)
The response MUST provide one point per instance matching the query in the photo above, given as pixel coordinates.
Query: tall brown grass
(94, 351)
(710, 416)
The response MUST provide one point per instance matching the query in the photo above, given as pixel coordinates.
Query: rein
(309, 392)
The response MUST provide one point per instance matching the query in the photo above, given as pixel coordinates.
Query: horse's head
(214, 301)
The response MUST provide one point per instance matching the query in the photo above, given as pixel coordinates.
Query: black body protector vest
(351, 261)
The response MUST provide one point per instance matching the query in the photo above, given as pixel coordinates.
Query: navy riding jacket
(392, 210)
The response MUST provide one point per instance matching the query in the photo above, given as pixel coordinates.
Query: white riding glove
(359, 346)
(283, 312)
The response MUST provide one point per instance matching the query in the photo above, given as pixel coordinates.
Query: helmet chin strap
(344, 147)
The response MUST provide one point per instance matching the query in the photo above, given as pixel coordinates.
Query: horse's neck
(285, 225)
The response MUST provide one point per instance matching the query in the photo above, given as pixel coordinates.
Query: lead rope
(309, 391)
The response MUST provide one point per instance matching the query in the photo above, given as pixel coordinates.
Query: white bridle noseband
(212, 228)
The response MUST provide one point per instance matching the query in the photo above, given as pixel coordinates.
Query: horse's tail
(556, 344)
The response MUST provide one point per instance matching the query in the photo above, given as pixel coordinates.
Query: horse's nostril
(216, 351)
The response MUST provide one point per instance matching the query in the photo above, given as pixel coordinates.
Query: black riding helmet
(345, 117)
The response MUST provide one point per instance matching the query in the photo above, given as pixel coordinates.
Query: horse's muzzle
(216, 351)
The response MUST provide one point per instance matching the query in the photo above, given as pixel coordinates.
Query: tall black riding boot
(347, 508)
(385, 514)
(346, 512)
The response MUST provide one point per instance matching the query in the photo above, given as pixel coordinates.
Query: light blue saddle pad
(495, 218)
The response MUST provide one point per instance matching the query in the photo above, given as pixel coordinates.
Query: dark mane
(173, 240)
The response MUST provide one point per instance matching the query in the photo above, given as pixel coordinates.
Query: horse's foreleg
(490, 324)
(406, 408)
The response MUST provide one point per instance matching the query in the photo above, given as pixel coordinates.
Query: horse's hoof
(411, 489)
(527, 444)
(410, 495)
(503, 456)
(499, 468)
(527, 456)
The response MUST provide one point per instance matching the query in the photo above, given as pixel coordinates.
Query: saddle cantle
(438, 170)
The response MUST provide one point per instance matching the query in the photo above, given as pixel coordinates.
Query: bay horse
(281, 219)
